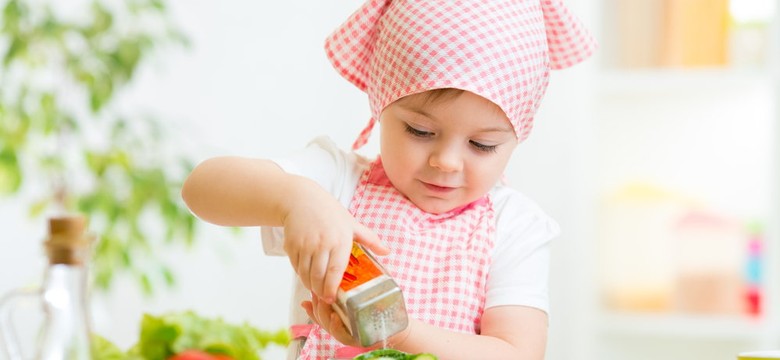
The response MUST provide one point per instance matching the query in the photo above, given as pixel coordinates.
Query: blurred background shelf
(683, 173)
(633, 81)
(686, 326)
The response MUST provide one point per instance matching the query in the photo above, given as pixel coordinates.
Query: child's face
(445, 153)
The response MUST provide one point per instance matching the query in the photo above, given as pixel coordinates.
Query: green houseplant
(64, 142)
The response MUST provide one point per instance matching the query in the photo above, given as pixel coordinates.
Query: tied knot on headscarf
(502, 50)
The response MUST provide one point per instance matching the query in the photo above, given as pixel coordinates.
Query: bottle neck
(65, 286)
(67, 329)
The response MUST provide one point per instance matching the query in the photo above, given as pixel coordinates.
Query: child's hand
(324, 315)
(318, 234)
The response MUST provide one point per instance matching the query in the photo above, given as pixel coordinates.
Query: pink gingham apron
(440, 261)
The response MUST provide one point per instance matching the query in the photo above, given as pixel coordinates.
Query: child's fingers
(323, 311)
(319, 269)
(337, 264)
(370, 240)
(337, 326)
(304, 270)
(320, 312)
(323, 315)
(309, 308)
(338, 330)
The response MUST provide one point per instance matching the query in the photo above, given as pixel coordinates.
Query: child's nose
(446, 158)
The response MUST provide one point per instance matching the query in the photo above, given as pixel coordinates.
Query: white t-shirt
(519, 271)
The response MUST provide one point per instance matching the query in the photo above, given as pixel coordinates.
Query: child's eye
(483, 147)
(418, 133)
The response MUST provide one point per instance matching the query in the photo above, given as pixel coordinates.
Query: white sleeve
(337, 171)
(520, 268)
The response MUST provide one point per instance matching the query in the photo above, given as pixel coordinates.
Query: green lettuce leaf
(166, 335)
(105, 350)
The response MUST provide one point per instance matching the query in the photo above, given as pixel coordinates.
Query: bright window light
(749, 11)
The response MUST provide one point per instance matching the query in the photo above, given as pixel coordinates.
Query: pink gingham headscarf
(502, 50)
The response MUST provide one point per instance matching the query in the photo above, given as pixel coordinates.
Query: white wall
(256, 83)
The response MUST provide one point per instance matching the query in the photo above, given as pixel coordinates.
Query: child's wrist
(299, 192)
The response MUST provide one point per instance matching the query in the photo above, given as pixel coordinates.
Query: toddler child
(454, 85)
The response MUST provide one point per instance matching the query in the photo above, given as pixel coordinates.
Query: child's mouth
(437, 188)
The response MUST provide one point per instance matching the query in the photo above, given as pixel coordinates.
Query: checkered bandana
(502, 50)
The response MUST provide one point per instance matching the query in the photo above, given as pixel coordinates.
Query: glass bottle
(66, 330)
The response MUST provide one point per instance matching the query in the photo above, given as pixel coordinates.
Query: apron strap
(349, 352)
(301, 331)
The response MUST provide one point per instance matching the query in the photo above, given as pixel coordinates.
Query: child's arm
(508, 332)
(319, 231)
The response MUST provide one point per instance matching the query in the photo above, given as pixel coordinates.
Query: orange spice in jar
(360, 269)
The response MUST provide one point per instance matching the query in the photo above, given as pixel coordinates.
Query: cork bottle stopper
(67, 241)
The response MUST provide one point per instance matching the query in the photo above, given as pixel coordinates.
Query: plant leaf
(10, 172)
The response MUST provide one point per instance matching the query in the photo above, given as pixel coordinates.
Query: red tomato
(198, 355)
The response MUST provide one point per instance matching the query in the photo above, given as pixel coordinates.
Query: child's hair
(437, 96)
